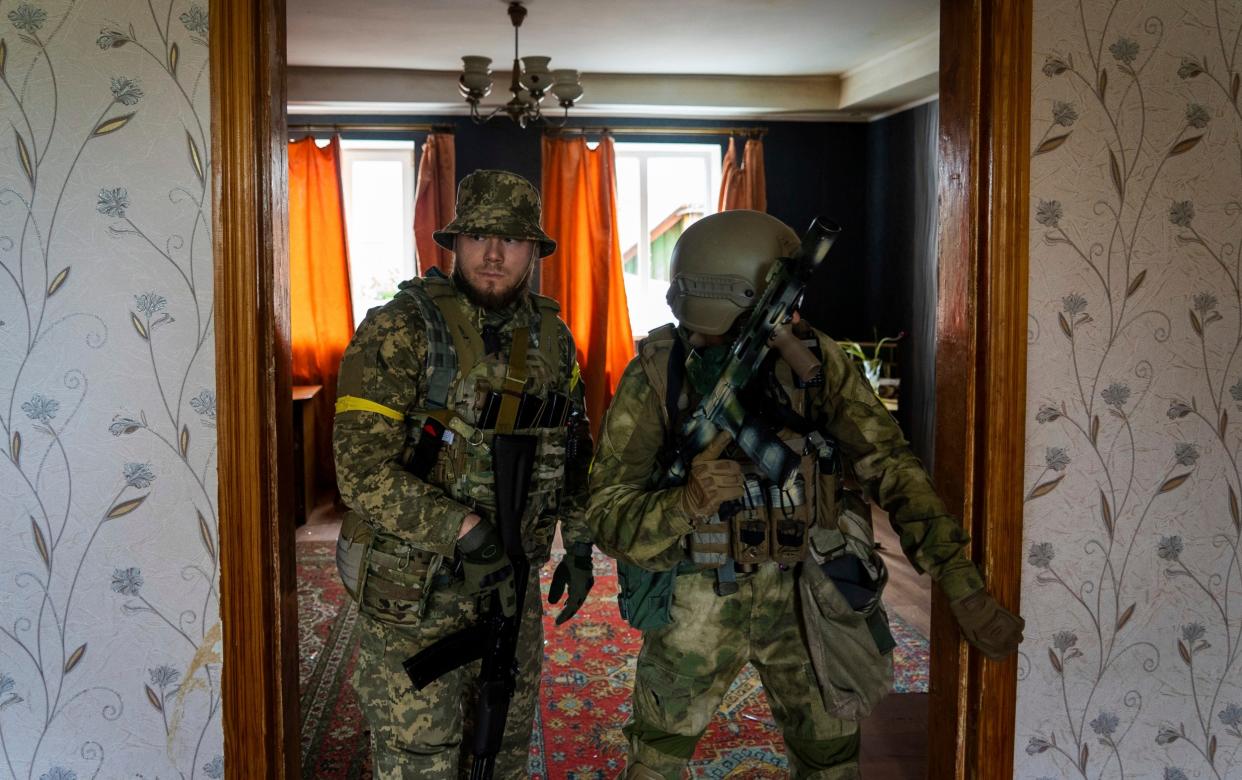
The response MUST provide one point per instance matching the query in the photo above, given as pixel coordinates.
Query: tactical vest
(837, 521)
(471, 395)
(766, 524)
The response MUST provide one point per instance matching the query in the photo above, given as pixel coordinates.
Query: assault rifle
(494, 639)
(768, 327)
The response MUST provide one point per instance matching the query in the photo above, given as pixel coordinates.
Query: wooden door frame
(981, 331)
(980, 373)
(258, 592)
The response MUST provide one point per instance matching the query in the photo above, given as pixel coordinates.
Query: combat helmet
(720, 264)
(497, 203)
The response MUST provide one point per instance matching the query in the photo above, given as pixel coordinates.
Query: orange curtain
(321, 318)
(743, 186)
(584, 274)
(433, 203)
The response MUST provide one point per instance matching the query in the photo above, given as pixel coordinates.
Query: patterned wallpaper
(1132, 586)
(109, 618)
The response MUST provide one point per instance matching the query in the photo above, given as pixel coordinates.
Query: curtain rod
(308, 127)
(754, 132)
(300, 127)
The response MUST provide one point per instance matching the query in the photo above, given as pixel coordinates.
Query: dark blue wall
(901, 273)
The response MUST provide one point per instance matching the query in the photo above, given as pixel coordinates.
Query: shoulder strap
(467, 342)
(546, 303)
(676, 372)
(441, 354)
(549, 335)
(662, 357)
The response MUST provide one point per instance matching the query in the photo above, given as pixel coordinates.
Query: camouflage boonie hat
(497, 203)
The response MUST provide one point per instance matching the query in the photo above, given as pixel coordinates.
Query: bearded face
(493, 271)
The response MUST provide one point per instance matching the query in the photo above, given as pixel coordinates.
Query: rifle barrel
(817, 240)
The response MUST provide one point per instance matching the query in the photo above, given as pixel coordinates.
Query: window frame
(712, 155)
(360, 150)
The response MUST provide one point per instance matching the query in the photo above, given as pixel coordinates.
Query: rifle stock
(446, 654)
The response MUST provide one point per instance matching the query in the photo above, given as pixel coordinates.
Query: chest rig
(767, 524)
(477, 388)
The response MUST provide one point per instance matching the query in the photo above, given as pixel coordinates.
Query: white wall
(109, 618)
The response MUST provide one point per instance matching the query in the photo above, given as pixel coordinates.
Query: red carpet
(584, 700)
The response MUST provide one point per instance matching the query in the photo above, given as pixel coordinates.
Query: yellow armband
(350, 403)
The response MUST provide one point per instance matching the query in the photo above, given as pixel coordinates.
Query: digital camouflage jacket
(385, 374)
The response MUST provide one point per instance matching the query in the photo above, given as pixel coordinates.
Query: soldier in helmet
(427, 380)
(760, 575)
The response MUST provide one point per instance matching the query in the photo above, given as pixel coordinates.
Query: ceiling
(813, 58)
(743, 37)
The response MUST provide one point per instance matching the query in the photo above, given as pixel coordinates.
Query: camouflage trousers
(685, 669)
(419, 734)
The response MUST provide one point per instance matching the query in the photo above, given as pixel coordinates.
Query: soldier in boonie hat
(429, 382)
(497, 203)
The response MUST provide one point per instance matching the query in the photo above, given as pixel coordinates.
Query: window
(661, 190)
(377, 178)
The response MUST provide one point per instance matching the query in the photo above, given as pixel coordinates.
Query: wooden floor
(322, 525)
(908, 592)
(894, 738)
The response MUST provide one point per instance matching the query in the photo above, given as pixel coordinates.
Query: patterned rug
(584, 700)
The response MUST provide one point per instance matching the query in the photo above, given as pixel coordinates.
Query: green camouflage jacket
(638, 525)
(386, 365)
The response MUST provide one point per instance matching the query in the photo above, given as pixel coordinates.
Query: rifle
(768, 327)
(494, 639)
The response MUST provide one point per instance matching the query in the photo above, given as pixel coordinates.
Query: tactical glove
(712, 482)
(486, 566)
(987, 625)
(574, 570)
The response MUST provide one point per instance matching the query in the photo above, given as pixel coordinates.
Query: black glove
(486, 566)
(574, 570)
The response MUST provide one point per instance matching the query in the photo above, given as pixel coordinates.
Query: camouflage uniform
(387, 377)
(685, 667)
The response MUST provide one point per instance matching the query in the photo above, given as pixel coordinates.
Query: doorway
(980, 373)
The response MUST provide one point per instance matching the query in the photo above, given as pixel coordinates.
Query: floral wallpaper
(109, 615)
(1132, 586)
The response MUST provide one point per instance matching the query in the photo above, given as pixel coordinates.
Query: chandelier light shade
(530, 82)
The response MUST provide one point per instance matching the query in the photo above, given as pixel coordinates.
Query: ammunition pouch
(390, 580)
(765, 524)
(353, 542)
(827, 478)
(644, 596)
(711, 542)
(748, 520)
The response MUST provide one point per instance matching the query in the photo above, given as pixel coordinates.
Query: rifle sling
(672, 391)
(515, 381)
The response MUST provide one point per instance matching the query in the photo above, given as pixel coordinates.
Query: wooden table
(304, 449)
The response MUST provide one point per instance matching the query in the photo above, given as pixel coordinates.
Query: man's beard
(491, 300)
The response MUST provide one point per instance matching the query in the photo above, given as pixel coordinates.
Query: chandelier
(530, 83)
